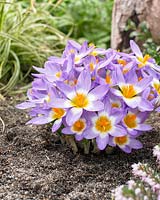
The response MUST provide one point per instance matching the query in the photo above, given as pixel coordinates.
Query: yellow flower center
(80, 101)
(77, 59)
(94, 53)
(128, 91)
(91, 66)
(58, 74)
(108, 79)
(115, 105)
(130, 120)
(157, 87)
(143, 60)
(103, 124)
(121, 140)
(58, 113)
(78, 126)
(122, 62)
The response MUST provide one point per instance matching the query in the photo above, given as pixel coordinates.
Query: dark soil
(32, 167)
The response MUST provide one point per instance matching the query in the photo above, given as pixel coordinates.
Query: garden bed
(33, 166)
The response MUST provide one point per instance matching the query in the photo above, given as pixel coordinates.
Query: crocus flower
(98, 94)
(130, 91)
(133, 121)
(78, 127)
(143, 60)
(54, 114)
(81, 97)
(104, 125)
(126, 143)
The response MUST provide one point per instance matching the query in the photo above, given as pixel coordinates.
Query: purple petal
(144, 127)
(66, 89)
(84, 81)
(74, 44)
(95, 106)
(133, 102)
(132, 132)
(135, 144)
(56, 125)
(135, 48)
(38, 69)
(119, 76)
(79, 137)
(89, 134)
(60, 103)
(126, 149)
(144, 83)
(102, 142)
(99, 91)
(118, 131)
(73, 115)
(145, 105)
(67, 131)
(40, 120)
(25, 105)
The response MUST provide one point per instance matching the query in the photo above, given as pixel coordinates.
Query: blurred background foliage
(32, 30)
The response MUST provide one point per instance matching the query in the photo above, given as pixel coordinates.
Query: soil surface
(33, 166)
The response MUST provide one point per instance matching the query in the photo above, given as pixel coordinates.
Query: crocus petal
(132, 132)
(40, 120)
(25, 105)
(99, 91)
(118, 131)
(89, 134)
(144, 127)
(67, 131)
(144, 83)
(135, 144)
(135, 48)
(145, 105)
(126, 149)
(60, 103)
(73, 115)
(56, 125)
(84, 81)
(102, 142)
(79, 137)
(119, 76)
(38, 69)
(116, 92)
(95, 106)
(66, 89)
(133, 102)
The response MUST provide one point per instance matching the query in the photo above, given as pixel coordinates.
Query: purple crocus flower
(104, 124)
(133, 121)
(130, 91)
(78, 127)
(81, 97)
(143, 61)
(50, 115)
(126, 143)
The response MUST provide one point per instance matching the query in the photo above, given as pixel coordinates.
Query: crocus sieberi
(96, 94)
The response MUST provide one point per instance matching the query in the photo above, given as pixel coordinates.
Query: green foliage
(27, 38)
(152, 49)
(30, 31)
(86, 20)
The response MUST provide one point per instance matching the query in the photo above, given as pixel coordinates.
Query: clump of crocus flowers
(147, 184)
(97, 96)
